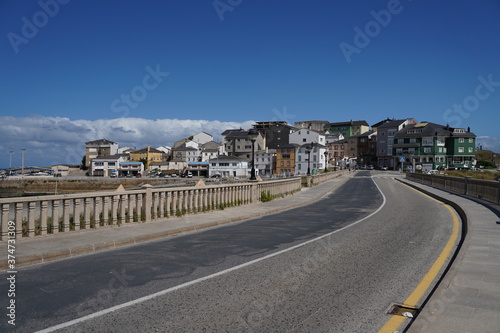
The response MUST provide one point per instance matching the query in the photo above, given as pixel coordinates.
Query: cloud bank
(52, 140)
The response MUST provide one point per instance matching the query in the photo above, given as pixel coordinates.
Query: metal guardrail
(483, 189)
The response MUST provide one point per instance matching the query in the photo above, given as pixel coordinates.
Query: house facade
(265, 162)
(431, 146)
(237, 143)
(305, 135)
(105, 166)
(285, 159)
(276, 133)
(229, 166)
(385, 140)
(146, 155)
(101, 147)
(312, 157)
(348, 128)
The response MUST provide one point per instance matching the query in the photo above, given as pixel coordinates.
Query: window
(440, 149)
(413, 140)
(304, 140)
(287, 163)
(460, 149)
(461, 140)
(471, 150)
(427, 150)
(471, 140)
(427, 141)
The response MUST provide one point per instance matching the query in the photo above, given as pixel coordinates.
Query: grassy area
(486, 175)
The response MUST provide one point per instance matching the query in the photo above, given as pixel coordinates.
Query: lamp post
(253, 134)
(22, 162)
(308, 151)
(326, 159)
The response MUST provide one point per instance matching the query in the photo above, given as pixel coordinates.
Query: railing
(42, 215)
(477, 188)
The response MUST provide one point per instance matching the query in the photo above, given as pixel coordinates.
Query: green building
(348, 128)
(432, 146)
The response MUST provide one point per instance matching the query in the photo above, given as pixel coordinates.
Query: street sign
(402, 159)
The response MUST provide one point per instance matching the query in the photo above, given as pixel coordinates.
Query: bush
(266, 196)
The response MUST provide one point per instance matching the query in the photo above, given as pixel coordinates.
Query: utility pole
(22, 162)
(10, 160)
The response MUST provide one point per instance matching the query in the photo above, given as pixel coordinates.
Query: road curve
(343, 279)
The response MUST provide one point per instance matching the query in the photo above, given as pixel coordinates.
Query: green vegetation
(266, 196)
(485, 175)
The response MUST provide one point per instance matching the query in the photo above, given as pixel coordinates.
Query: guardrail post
(466, 185)
(148, 202)
(5, 221)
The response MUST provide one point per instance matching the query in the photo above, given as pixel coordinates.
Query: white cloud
(51, 140)
(488, 143)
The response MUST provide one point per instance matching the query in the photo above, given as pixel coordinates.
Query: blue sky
(74, 71)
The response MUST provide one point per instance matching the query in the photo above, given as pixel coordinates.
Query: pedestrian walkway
(468, 297)
(41, 249)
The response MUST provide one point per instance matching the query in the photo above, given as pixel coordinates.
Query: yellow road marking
(395, 322)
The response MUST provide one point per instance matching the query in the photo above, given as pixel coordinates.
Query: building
(237, 143)
(101, 147)
(430, 146)
(312, 157)
(317, 125)
(147, 155)
(229, 166)
(337, 154)
(130, 169)
(199, 169)
(348, 128)
(265, 162)
(285, 159)
(186, 153)
(105, 166)
(276, 133)
(385, 140)
(366, 148)
(305, 135)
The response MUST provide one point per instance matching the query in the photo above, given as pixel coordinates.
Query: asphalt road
(217, 281)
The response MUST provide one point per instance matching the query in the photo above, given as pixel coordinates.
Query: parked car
(369, 167)
(189, 175)
(431, 172)
(384, 168)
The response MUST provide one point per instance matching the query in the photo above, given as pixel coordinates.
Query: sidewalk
(468, 298)
(47, 248)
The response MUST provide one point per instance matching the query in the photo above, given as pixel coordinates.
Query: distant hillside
(488, 155)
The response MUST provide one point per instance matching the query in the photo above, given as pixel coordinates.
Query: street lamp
(308, 151)
(22, 162)
(326, 159)
(253, 134)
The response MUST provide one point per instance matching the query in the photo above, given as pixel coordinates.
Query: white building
(317, 156)
(202, 138)
(105, 166)
(265, 162)
(228, 166)
(305, 135)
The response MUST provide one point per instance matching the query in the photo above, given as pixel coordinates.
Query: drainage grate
(402, 310)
